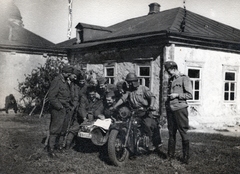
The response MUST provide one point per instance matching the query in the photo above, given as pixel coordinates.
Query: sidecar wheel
(118, 154)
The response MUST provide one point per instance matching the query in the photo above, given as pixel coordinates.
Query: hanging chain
(69, 19)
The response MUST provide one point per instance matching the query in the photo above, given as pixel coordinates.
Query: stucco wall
(13, 66)
(123, 68)
(212, 109)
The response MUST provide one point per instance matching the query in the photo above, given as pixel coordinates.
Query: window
(110, 74)
(195, 77)
(230, 86)
(144, 75)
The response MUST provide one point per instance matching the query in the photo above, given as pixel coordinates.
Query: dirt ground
(22, 151)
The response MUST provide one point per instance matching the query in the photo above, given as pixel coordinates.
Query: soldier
(91, 106)
(121, 89)
(141, 98)
(82, 86)
(60, 108)
(110, 101)
(73, 125)
(179, 90)
(103, 88)
(10, 103)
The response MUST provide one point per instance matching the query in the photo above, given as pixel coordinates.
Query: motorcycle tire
(118, 154)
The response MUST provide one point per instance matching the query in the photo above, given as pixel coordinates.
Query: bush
(35, 86)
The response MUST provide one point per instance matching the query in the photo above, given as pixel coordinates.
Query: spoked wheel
(118, 154)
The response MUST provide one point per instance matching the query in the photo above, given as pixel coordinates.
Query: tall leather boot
(51, 150)
(185, 146)
(69, 141)
(171, 148)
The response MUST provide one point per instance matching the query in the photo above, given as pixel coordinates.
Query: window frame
(143, 77)
(190, 64)
(193, 84)
(114, 73)
(229, 82)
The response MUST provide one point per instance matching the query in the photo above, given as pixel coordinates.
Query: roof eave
(203, 42)
(33, 50)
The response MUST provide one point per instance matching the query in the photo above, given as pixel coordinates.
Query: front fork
(128, 132)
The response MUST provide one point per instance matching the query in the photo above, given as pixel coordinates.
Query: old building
(20, 50)
(206, 50)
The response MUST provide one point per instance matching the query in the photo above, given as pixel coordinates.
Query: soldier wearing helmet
(179, 91)
(132, 80)
(141, 98)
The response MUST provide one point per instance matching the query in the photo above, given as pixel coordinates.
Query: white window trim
(200, 85)
(137, 67)
(114, 66)
(196, 65)
(234, 69)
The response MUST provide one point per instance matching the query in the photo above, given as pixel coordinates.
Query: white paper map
(105, 124)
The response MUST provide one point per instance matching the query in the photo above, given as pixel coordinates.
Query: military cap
(67, 69)
(91, 88)
(81, 77)
(120, 85)
(76, 71)
(110, 94)
(170, 64)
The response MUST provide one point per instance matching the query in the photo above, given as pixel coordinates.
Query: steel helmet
(131, 77)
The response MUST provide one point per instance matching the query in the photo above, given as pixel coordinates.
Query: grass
(21, 151)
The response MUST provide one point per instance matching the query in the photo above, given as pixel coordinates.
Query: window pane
(229, 76)
(196, 97)
(144, 71)
(110, 80)
(194, 73)
(110, 71)
(225, 96)
(226, 87)
(232, 96)
(140, 81)
(147, 82)
(196, 84)
(232, 86)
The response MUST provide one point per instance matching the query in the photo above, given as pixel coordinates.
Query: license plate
(84, 135)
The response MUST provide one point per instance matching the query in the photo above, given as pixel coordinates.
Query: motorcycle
(123, 134)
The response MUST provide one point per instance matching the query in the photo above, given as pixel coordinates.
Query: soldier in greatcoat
(60, 108)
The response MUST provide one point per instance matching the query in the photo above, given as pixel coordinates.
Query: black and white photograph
(119, 86)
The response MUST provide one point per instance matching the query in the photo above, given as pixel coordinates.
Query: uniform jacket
(86, 106)
(107, 112)
(59, 93)
(74, 94)
(82, 91)
(139, 98)
(181, 85)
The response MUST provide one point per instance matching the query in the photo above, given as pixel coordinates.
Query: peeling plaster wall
(155, 79)
(123, 68)
(12, 69)
(97, 68)
(212, 109)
